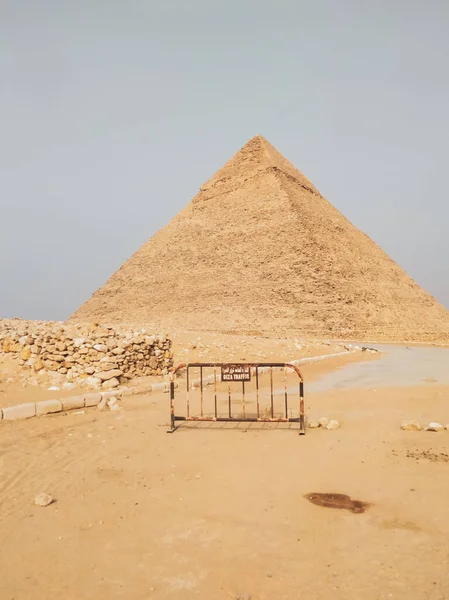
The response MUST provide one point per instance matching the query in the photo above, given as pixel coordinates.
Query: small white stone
(324, 421)
(43, 499)
(100, 347)
(333, 424)
(313, 424)
(434, 427)
(53, 388)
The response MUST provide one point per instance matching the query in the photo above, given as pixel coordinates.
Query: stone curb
(45, 407)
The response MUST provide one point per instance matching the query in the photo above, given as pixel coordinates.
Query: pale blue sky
(113, 113)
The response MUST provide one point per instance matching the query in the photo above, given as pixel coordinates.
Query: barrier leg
(172, 408)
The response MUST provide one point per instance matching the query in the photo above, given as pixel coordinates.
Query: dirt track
(218, 511)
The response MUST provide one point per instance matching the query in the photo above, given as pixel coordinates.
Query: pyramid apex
(259, 138)
(256, 155)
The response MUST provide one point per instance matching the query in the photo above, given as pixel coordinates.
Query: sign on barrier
(236, 373)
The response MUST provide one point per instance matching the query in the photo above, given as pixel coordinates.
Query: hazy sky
(114, 112)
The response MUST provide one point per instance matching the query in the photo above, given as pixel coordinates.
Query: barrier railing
(251, 378)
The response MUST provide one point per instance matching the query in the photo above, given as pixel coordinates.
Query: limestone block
(110, 383)
(21, 411)
(72, 403)
(105, 375)
(111, 394)
(46, 407)
(159, 387)
(92, 399)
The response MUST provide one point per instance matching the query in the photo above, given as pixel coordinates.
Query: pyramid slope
(260, 250)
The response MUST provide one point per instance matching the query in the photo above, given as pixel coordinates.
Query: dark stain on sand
(341, 501)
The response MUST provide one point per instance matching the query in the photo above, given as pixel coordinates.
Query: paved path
(400, 366)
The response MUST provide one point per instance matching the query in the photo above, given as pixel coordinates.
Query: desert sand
(219, 510)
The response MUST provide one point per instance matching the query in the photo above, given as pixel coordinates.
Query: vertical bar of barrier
(285, 393)
(215, 391)
(229, 400)
(271, 388)
(188, 391)
(201, 389)
(301, 408)
(172, 406)
(243, 400)
(257, 392)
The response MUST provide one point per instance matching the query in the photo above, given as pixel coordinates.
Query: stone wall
(88, 354)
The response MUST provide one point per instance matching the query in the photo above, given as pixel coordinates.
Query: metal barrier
(230, 375)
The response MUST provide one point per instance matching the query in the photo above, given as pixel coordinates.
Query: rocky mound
(84, 354)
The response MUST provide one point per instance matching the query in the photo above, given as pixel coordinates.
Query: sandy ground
(218, 511)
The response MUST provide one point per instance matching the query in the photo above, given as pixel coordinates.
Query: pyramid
(259, 250)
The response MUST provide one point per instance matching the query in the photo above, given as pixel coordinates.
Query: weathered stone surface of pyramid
(260, 250)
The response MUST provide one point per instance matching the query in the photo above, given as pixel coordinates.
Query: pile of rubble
(89, 354)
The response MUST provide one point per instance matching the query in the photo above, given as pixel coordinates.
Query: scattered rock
(110, 384)
(411, 426)
(324, 421)
(100, 347)
(102, 404)
(333, 424)
(43, 499)
(313, 424)
(113, 403)
(106, 375)
(92, 382)
(434, 427)
(38, 366)
(25, 354)
(339, 501)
